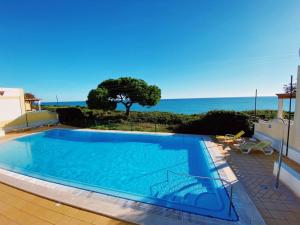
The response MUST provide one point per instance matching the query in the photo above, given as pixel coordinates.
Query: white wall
(11, 104)
(289, 177)
(9, 109)
(297, 111)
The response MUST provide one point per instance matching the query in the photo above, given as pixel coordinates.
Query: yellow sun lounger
(230, 137)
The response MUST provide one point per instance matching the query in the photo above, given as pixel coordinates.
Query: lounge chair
(231, 137)
(264, 146)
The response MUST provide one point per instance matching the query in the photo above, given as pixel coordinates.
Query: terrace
(255, 197)
(254, 171)
(277, 206)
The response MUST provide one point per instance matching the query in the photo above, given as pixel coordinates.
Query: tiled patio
(255, 171)
(19, 207)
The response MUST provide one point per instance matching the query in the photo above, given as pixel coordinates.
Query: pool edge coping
(133, 211)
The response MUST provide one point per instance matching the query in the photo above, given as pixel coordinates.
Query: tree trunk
(127, 110)
(127, 107)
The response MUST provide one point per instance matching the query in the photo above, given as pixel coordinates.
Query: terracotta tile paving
(21, 208)
(277, 206)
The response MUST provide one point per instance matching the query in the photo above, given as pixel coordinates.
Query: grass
(127, 126)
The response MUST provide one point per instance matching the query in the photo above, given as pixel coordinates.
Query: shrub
(262, 114)
(161, 117)
(211, 123)
(71, 116)
(105, 117)
(218, 122)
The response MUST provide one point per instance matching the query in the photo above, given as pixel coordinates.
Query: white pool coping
(138, 212)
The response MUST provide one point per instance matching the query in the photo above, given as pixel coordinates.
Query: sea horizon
(187, 98)
(198, 105)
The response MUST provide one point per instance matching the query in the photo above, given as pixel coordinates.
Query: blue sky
(188, 48)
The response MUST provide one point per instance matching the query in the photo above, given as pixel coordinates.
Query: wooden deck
(21, 208)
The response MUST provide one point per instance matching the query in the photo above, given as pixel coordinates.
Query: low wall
(273, 130)
(30, 119)
(289, 177)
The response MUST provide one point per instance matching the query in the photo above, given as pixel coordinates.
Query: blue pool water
(132, 166)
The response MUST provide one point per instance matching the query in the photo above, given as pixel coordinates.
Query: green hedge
(71, 116)
(211, 123)
(87, 117)
(218, 122)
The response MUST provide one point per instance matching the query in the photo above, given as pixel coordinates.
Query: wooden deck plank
(23, 208)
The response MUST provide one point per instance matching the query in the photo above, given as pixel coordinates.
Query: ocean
(199, 105)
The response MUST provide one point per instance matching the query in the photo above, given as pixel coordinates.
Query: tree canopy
(98, 99)
(287, 88)
(124, 90)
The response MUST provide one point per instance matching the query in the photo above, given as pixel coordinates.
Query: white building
(276, 130)
(13, 113)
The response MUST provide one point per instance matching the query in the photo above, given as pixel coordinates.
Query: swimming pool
(149, 168)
